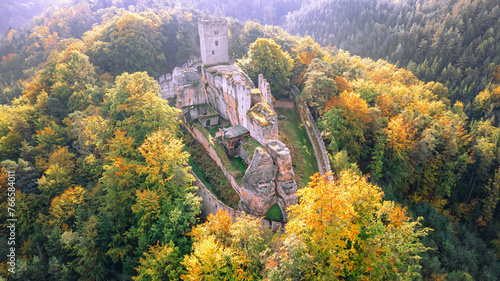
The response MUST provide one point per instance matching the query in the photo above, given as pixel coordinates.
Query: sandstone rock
(268, 180)
(259, 184)
(245, 156)
(260, 175)
(286, 188)
(282, 158)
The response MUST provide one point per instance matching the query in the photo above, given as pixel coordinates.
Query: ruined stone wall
(192, 94)
(210, 205)
(211, 151)
(171, 82)
(265, 89)
(229, 91)
(316, 139)
(263, 133)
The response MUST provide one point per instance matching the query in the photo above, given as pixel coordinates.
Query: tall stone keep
(213, 41)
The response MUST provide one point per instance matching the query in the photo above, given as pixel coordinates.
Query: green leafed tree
(130, 43)
(266, 57)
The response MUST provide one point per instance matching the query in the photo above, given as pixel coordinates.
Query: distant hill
(14, 14)
(453, 42)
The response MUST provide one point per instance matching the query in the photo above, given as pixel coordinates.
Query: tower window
(213, 52)
(216, 43)
(216, 32)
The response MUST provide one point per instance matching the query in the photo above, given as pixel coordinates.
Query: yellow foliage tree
(226, 250)
(63, 207)
(343, 229)
(163, 153)
(400, 135)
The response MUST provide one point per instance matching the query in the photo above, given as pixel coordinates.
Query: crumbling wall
(316, 139)
(213, 154)
(265, 89)
(262, 122)
(228, 90)
(210, 205)
(269, 180)
(189, 95)
(231, 92)
(171, 82)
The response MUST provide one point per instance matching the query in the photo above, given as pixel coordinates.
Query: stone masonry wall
(211, 151)
(170, 83)
(316, 139)
(229, 91)
(265, 89)
(210, 205)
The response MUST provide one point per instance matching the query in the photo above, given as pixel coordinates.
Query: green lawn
(250, 146)
(294, 135)
(238, 163)
(274, 213)
(213, 130)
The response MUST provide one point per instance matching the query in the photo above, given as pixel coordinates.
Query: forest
(406, 95)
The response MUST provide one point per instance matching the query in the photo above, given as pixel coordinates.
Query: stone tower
(213, 41)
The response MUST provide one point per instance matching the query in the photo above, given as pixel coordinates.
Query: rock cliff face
(268, 180)
(286, 187)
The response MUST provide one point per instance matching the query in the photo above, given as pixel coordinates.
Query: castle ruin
(222, 91)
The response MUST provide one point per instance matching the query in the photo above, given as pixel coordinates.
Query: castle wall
(180, 76)
(265, 89)
(262, 134)
(210, 205)
(191, 95)
(316, 139)
(211, 151)
(229, 91)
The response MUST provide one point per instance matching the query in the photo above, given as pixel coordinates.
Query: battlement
(213, 24)
(181, 76)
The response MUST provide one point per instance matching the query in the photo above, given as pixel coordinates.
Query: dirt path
(284, 104)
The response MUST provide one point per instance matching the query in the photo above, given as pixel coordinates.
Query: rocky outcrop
(268, 180)
(258, 191)
(263, 122)
(286, 187)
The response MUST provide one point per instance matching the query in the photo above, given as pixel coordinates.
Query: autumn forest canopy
(406, 95)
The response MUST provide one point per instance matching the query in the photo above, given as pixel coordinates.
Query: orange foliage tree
(303, 53)
(345, 122)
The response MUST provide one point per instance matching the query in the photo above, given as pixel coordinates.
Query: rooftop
(235, 132)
